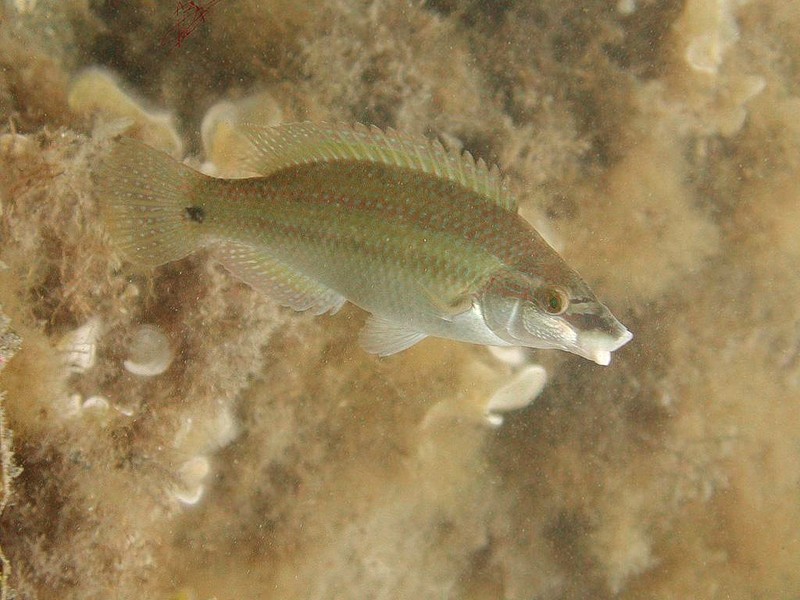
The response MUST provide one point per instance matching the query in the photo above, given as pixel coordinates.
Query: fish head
(561, 313)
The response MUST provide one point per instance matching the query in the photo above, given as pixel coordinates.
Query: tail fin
(143, 195)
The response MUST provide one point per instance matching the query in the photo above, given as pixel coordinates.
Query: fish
(427, 240)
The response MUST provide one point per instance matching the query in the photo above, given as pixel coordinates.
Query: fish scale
(277, 214)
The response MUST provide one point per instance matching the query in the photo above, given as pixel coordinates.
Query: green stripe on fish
(427, 240)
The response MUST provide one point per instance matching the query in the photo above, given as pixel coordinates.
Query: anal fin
(383, 337)
(276, 280)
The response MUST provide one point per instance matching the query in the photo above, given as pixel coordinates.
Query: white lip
(601, 357)
(598, 347)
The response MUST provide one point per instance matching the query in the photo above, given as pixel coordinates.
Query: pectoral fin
(448, 307)
(383, 337)
(456, 306)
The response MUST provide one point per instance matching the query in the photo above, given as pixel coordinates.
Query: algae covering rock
(176, 435)
(9, 345)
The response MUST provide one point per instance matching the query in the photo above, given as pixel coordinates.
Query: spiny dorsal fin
(275, 148)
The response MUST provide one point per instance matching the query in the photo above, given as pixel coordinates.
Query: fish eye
(553, 299)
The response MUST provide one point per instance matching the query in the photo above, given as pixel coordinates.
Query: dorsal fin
(275, 148)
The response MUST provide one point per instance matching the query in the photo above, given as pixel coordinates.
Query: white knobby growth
(523, 388)
(79, 347)
(192, 473)
(514, 356)
(97, 404)
(149, 352)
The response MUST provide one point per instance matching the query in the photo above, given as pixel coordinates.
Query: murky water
(171, 433)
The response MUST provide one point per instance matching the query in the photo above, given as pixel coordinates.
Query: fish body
(427, 241)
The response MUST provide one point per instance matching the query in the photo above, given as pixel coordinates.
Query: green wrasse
(428, 241)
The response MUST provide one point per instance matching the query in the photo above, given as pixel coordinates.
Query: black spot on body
(196, 213)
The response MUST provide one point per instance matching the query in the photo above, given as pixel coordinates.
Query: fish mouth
(597, 346)
(597, 333)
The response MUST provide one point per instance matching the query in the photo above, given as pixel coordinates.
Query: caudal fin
(143, 196)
